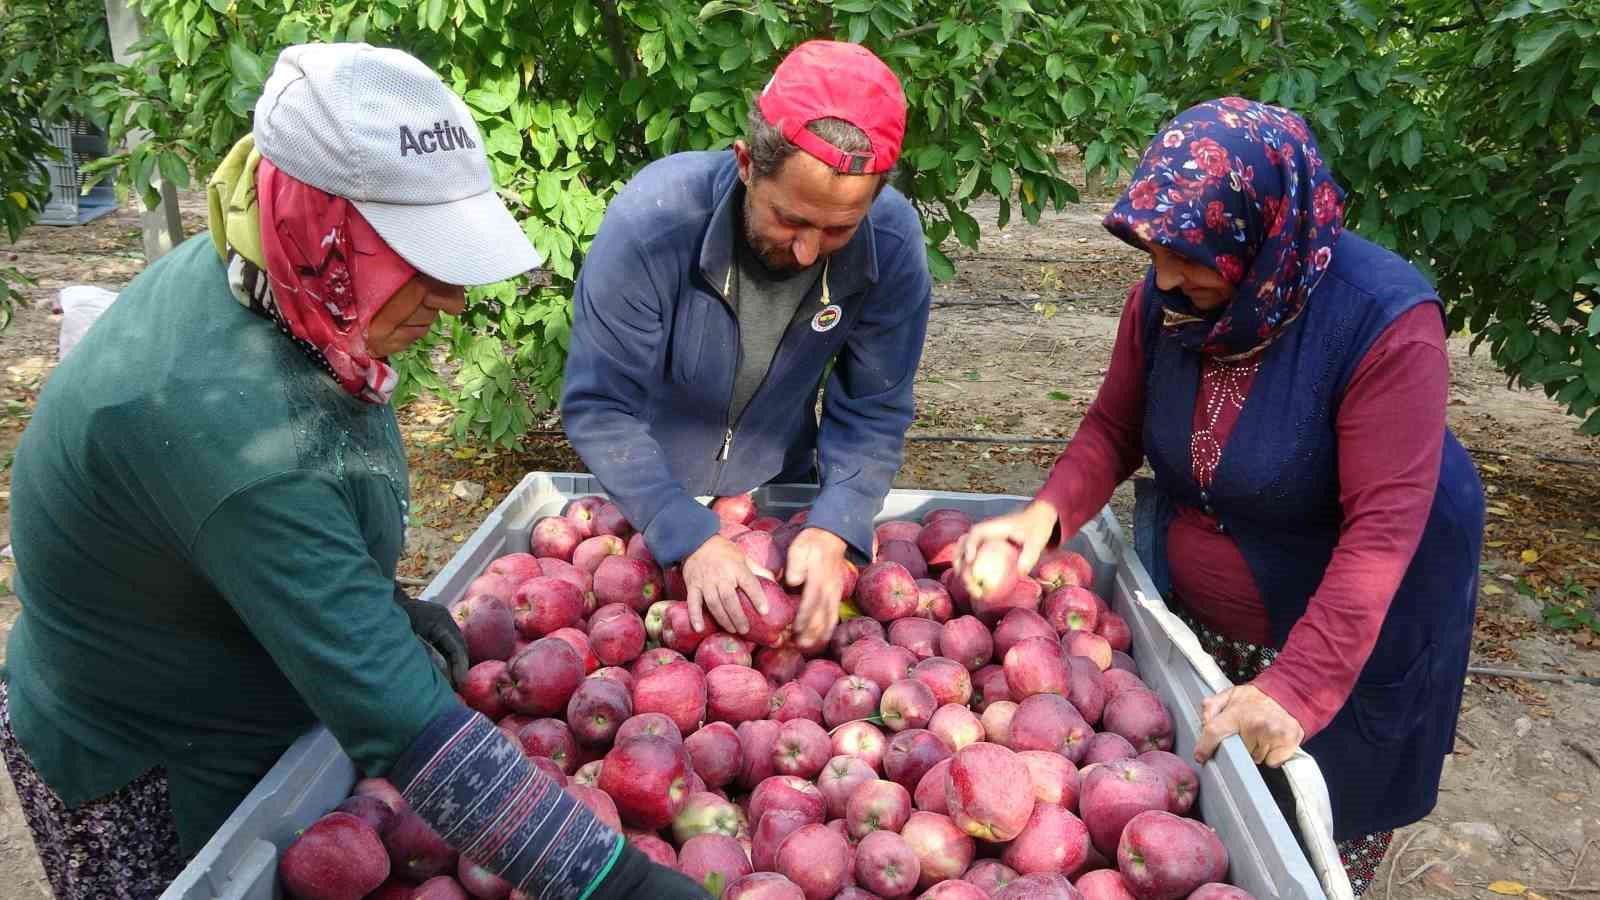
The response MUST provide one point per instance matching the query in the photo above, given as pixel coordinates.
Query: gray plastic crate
(239, 862)
(79, 143)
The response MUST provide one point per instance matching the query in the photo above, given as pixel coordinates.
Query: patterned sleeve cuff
(475, 788)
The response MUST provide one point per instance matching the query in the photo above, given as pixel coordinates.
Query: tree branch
(619, 47)
(931, 26)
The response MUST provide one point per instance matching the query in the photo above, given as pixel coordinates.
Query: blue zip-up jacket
(655, 348)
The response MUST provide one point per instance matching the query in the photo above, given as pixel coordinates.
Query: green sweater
(206, 528)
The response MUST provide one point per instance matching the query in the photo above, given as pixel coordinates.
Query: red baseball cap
(836, 80)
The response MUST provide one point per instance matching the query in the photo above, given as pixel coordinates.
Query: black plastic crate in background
(79, 144)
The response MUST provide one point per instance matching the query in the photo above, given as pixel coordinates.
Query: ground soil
(1017, 345)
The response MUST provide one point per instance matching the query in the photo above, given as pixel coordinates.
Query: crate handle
(1313, 809)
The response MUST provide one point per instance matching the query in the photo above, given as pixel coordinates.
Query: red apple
(649, 724)
(1040, 886)
(1024, 594)
(851, 630)
(1118, 680)
(946, 512)
(439, 887)
(1060, 567)
(1213, 890)
(1120, 660)
(513, 567)
(618, 638)
(581, 510)
(1106, 746)
(839, 779)
(705, 813)
(1115, 630)
(897, 530)
(597, 709)
(677, 631)
(1054, 840)
(618, 579)
(739, 509)
(1050, 722)
(640, 550)
(953, 889)
(647, 778)
(802, 749)
(966, 641)
(338, 856)
(480, 882)
(599, 803)
(592, 551)
(416, 851)
(1017, 625)
(1086, 688)
(993, 572)
(487, 626)
(1072, 608)
(761, 549)
(937, 541)
(876, 804)
(677, 690)
(1104, 884)
(763, 886)
(654, 658)
(552, 739)
(814, 858)
(784, 535)
(1055, 778)
(956, 725)
(736, 694)
(885, 665)
(771, 629)
(543, 604)
(910, 755)
(780, 665)
(790, 793)
(990, 875)
(608, 519)
(795, 701)
(554, 536)
(368, 809)
(849, 699)
(580, 643)
(946, 678)
(850, 658)
(862, 740)
(656, 616)
(1113, 793)
(886, 864)
(819, 675)
(1087, 644)
(677, 588)
(956, 586)
(908, 703)
(716, 754)
(1183, 783)
(1140, 717)
(768, 524)
(933, 601)
(906, 554)
(653, 846)
(551, 567)
(997, 722)
(713, 861)
(756, 740)
(481, 690)
(943, 850)
(886, 591)
(723, 650)
(615, 673)
(1035, 666)
(588, 774)
(539, 680)
(989, 792)
(1165, 857)
(920, 636)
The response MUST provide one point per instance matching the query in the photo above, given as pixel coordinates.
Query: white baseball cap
(377, 127)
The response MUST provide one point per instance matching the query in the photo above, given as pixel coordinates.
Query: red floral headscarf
(328, 274)
(1241, 187)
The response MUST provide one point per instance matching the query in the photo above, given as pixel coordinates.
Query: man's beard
(775, 258)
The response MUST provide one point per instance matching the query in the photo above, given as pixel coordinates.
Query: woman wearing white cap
(210, 500)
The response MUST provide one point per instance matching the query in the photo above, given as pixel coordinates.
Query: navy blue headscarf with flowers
(1240, 187)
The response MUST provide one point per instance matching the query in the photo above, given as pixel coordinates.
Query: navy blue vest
(1276, 492)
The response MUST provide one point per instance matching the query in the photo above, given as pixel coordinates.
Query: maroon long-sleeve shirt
(1390, 430)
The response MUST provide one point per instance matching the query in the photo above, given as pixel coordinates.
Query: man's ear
(741, 155)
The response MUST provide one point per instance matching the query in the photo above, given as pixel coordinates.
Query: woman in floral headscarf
(1310, 515)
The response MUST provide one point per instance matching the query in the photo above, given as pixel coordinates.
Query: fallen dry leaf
(1530, 556)
(1508, 888)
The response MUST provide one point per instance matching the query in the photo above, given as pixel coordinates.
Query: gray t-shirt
(766, 303)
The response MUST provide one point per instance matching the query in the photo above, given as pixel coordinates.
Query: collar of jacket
(849, 270)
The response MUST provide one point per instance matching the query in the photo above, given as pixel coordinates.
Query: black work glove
(438, 632)
(635, 876)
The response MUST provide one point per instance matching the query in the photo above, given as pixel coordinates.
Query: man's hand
(816, 560)
(1029, 528)
(714, 575)
(1268, 731)
(437, 629)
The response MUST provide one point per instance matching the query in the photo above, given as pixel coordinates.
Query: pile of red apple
(941, 745)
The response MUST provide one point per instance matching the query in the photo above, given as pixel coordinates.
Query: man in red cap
(720, 287)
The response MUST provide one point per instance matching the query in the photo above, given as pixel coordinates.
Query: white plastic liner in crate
(314, 775)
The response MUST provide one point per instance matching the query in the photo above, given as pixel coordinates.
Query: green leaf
(1060, 395)
(706, 100)
(174, 170)
(966, 227)
(1431, 221)
(859, 26)
(247, 67)
(930, 158)
(486, 101)
(1411, 150)
(939, 265)
(968, 183)
(435, 15)
(733, 57)
(1000, 179)
(1594, 322)
(1532, 47)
